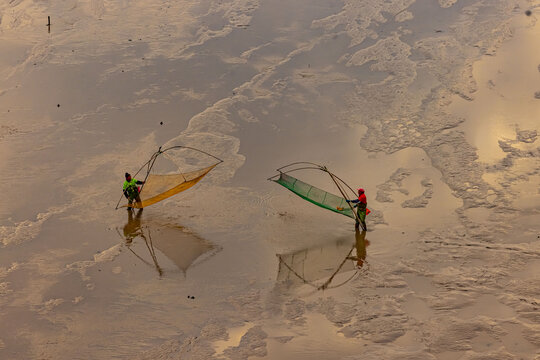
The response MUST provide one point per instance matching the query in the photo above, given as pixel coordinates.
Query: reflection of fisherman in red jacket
(361, 207)
(361, 244)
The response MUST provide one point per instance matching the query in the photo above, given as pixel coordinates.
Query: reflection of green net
(315, 195)
(310, 265)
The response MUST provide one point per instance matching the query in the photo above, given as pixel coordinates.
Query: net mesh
(160, 187)
(315, 195)
(313, 264)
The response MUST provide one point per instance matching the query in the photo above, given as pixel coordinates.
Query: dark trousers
(134, 197)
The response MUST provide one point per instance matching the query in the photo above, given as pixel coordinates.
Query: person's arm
(354, 201)
(126, 195)
(140, 182)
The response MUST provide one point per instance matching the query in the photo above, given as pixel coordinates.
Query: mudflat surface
(432, 106)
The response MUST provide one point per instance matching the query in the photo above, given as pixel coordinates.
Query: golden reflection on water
(506, 100)
(235, 335)
(361, 244)
(319, 266)
(169, 246)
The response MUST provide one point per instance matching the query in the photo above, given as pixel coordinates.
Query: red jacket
(362, 199)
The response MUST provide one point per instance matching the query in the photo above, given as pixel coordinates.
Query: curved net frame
(158, 187)
(313, 194)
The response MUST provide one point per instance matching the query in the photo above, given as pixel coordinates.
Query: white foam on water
(446, 270)
(211, 131)
(358, 18)
(447, 3)
(27, 230)
(72, 21)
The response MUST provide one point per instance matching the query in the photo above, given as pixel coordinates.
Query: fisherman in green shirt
(131, 191)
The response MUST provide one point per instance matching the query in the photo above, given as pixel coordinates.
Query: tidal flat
(432, 106)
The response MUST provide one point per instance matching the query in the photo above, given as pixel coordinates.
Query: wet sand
(431, 106)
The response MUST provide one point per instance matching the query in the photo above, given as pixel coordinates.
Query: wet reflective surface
(165, 247)
(319, 266)
(431, 106)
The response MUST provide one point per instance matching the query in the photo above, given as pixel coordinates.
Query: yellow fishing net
(160, 187)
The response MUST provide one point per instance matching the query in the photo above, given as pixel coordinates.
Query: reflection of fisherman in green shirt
(361, 244)
(133, 227)
(131, 191)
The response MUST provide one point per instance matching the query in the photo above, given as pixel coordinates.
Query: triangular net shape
(183, 249)
(314, 264)
(315, 195)
(160, 187)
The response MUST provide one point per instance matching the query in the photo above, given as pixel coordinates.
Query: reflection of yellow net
(160, 187)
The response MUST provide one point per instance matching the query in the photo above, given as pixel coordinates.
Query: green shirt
(129, 184)
(130, 188)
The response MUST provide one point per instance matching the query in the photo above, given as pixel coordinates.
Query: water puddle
(234, 335)
(261, 84)
(313, 344)
(506, 99)
(320, 266)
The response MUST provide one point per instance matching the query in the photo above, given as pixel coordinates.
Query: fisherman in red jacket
(361, 207)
